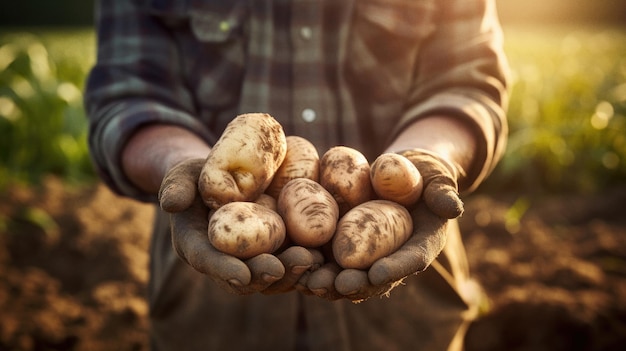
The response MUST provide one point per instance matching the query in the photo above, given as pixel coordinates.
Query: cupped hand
(440, 202)
(189, 230)
(189, 217)
(428, 239)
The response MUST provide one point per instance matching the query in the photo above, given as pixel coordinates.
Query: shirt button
(224, 26)
(306, 33)
(308, 115)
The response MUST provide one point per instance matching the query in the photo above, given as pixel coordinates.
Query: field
(546, 235)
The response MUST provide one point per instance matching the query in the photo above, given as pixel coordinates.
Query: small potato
(345, 173)
(395, 178)
(301, 161)
(246, 229)
(309, 211)
(243, 161)
(267, 201)
(370, 231)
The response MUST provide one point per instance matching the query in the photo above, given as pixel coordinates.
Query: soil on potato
(73, 270)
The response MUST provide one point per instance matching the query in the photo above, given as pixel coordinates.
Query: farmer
(426, 79)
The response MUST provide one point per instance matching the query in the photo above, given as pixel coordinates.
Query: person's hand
(441, 193)
(440, 202)
(189, 218)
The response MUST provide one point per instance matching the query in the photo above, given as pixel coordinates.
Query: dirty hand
(440, 202)
(189, 219)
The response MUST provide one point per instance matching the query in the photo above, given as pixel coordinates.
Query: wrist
(454, 168)
(450, 139)
(154, 149)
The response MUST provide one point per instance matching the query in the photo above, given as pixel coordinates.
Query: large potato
(243, 161)
(345, 173)
(246, 229)
(370, 231)
(301, 161)
(309, 211)
(395, 178)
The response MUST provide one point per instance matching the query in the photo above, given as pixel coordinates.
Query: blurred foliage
(567, 112)
(43, 127)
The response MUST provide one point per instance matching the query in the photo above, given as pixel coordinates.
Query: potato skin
(267, 201)
(301, 161)
(370, 231)
(243, 161)
(345, 173)
(395, 178)
(245, 229)
(309, 211)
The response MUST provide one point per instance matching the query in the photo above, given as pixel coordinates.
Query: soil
(73, 270)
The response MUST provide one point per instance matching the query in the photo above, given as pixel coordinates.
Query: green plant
(42, 120)
(567, 112)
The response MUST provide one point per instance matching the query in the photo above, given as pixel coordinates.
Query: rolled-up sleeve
(134, 82)
(463, 72)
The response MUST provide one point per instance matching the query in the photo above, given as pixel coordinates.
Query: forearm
(136, 85)
(154, 149)
(448, 137)
(468, 85)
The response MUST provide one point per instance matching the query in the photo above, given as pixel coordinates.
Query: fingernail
(269, 278)
(235, 282)
(319, 292)
(299, 269)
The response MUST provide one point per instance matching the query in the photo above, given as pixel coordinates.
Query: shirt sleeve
(134, 82)
(463, 72)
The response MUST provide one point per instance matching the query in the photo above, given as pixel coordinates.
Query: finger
(297, 261)
(180, 185)
(424, 245)
(265, 269)
(321, 282)
(442, 198)
(440, 183)
(189, 239)
(355, 285)
(301, 284)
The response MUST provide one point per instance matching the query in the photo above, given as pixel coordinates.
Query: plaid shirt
(347, 72)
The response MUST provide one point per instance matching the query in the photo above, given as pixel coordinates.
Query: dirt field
(73, 271)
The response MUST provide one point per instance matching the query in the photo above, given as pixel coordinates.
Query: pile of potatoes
(267, 191)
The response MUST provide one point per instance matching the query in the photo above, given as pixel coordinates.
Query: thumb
(180, 185)
(440, 183)
(441, 196)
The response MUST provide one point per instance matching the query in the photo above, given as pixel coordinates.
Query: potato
(370, 231)
(309, 211)
(245, 229)
(267, 201)
(243, 161)
(395, 178)
(301, 161)
(345, 173)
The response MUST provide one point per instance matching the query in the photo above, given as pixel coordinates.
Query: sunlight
(601, 118)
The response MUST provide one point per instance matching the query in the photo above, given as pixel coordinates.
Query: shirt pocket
(210, 21)
(385, 38)
(210, 38)
(217, 21)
